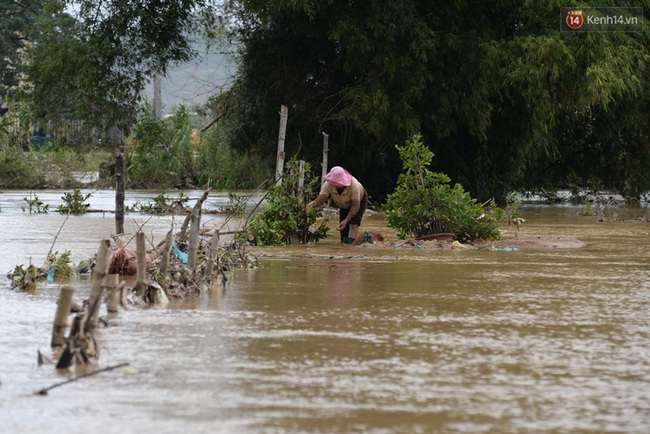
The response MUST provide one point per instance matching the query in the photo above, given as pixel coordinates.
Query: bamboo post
(326, 149)
(61, 316)
(141, 263)
(195, 220)
(199, 203)
(119, 193)
(99, 274)
(164, 262)
(301, 177)
(279, 165)
(114, 292)
(214, 248)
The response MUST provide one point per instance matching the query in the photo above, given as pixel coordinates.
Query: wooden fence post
(141, 259)
(164, 262)
(61, 316)
(214, 251)
(114, 293)
(326, 149)
(119, 193)
(301, 177)
(279, 165)
(193, 244)
(99, 274)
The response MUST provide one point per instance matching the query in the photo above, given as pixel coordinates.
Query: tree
(489, 85)
(17, 19)
(425, 202)
(93, 65)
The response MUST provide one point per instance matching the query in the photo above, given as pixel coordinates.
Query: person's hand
(309, 206)
(342, 225)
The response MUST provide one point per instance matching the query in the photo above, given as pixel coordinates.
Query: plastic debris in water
(179, 254)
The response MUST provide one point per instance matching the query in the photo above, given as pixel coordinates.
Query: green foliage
(236, 205)
(425, 203)
(283, 219)
(61, 264)
(162, 204)
(93, 65)
(16, 30)
(25, 278)
(35, 205)
(74, 203)
(495, 87)
(20, 169)
(221, 166)
(160, 156)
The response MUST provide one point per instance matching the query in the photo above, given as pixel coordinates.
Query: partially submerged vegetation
(425, 202)
(283, 220)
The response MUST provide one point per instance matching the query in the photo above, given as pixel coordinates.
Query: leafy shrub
(35, 205)
(161, 204)
(222, 167)
(20, 169)
(74, 203)
(425, 203)
(283, 219)
(159, 155)
(60, 264)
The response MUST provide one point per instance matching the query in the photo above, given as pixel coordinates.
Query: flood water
(346, 339)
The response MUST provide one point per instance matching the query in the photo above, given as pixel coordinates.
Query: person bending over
(349, 195)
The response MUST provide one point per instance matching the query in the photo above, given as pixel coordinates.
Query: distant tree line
(503, 96)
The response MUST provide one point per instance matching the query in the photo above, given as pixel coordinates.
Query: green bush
(160, 155)
(425, 203)
(74, 203)
(19, 169)
(220, 166)
(283, 219)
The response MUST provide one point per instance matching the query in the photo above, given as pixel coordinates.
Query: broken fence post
(99, 275)
(61, 316)
(141, 263)
(195, 221)
(114, 292)
(214, 249)
(119, 193)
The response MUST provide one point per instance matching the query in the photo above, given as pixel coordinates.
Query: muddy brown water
(330, 338)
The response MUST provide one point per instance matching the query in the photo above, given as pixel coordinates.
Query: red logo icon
(574, 19)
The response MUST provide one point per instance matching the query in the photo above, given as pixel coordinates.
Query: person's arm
(320, 199)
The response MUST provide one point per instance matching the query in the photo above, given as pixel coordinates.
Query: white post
(279, 166)
(301, 177)
(326, 149)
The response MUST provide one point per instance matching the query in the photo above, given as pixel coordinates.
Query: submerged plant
(283, 219)
(161, 204)
(74, 203)
(425, 203)
(35, 205)
(25, 278)
(60, 264)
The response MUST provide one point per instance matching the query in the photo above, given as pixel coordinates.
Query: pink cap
(339, 176)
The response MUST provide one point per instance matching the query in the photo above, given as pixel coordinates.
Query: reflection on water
(385, 341)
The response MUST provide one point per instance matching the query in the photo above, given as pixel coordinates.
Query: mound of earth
(519, 242)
